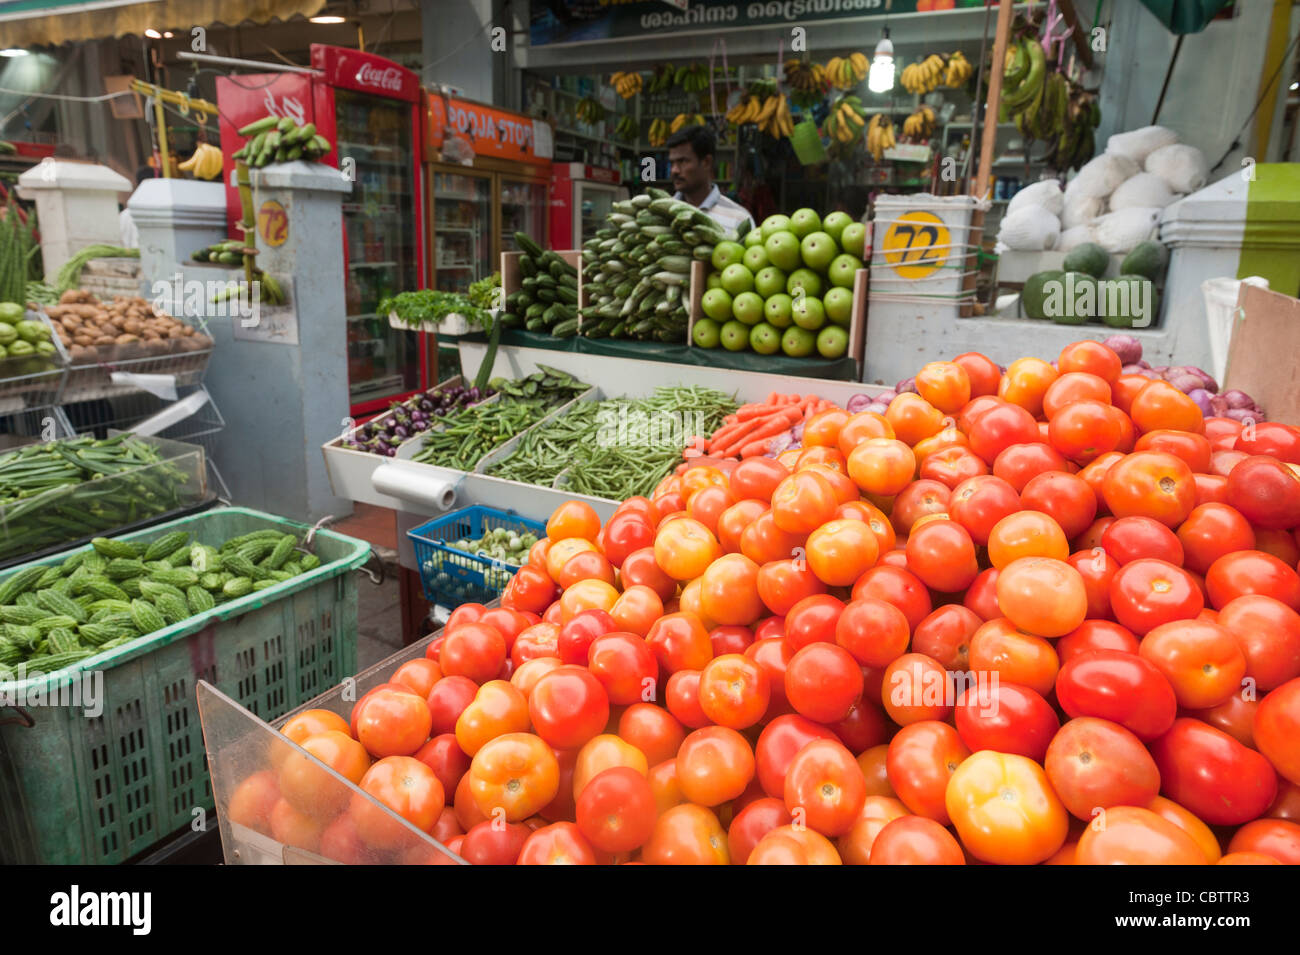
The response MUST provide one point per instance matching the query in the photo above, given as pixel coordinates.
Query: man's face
(689, 173)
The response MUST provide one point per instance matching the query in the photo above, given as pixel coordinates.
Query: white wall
(458, 48)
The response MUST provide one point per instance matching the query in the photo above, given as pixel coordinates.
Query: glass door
(594, 201)
(379, 230)
(462, 225)
(523, 209)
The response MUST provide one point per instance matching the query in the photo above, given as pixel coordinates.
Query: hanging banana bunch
(626, 85)
(845, 119)
(958, 71)
(682, 120)
(626, 129)
(847, 72)
(658, 133)
(662, 79)
(880, 136)
(774, 118)
(692, 79)
(803, 76)
(920, 125)
(590, 111)
(924, 76)
(1044, 104)
(206, 163)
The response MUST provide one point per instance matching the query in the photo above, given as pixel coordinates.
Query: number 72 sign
(273, 223)
(916, 244)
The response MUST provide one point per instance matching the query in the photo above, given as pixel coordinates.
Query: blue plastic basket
(452, 577)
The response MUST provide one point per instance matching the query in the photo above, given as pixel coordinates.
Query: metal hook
(311, 534)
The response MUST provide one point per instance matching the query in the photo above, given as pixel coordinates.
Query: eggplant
(400, 433)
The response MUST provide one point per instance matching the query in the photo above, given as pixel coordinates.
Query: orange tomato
(876, 813)
(762, 541)
(793, 845)
(1026, 383)
(882, 466)
(1043, 595)
(605, 752)
(684, 548)
(1191, 824)
(860, 427)
(841, 551)
(1026, 534)
(1071, 387)
(945, 385)
(573, 519)
(253, 800)
(497, 709)
(708, 504)
(1015, 656)
(913, 418)
(875, 770)
(310, 789)
(1090, 357)
(653, 730)
(407, 787)
(823, 429)
(838, 478)
(714, 765)
(526, 675)
(295, 828)
(588, 565)
(915, 689)
(1129, 835)
(1005, 810)
(733, 521)
(982, 371)
(734, 691)
(687, 835)
(915, 840)
(1150, 484)
(516, 775)
(636, 609)
(680, 642)
(561, 551)
(309, 723)
(590, 594)
(1162, 406)
(698, 478)
(949, 437)
(729, 591)
(802, 502)
(663, 783)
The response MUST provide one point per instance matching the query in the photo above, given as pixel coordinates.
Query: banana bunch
(847, 72)
(746, 111)
(692, 79)
(206, 162)
(1047, 106)
(845, 119)
(626, 85)
(803, 76)
(225, 252)
(626, 128)
(270, 293)
(920, 125)
(685, 119)
(280, 139)
(774, 118)
(658, 133)
(924, 76)
(661, 81)
(958, 72)
(880, 136)
(589, 110)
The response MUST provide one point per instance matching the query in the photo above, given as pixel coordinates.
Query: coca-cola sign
(389, 79)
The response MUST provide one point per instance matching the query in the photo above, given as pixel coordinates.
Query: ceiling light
(328, 20)
(1294, 86)
(153, 34)
(14, 51)
(881, 77)
(167, 34)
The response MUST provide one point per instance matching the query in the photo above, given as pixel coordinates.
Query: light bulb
(14, 51)
(880, 79)
(153, 34)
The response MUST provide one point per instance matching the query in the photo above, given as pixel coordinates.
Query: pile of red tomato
(1042, 615)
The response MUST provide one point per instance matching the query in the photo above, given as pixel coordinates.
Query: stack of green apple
(26, 347)
(787, 287)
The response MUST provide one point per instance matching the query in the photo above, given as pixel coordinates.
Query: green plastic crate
(79, 789)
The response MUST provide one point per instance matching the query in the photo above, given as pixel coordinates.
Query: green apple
(755, 259)
(804, 222)
(713, 280)
(727, 253)
(736, 279)
(748, 308)
(798, 342)
(783, 251)
(838, 303)
(778, 310)
(832, 342)
(769, 282)
(853, 239)
(734, 336)
(818, 250)
(705, 334)
(717, 304)
(805, 279)
(774, 224)
(764, 339)
(835, 224)
(808, 312)
(843, 270)
(753, 237)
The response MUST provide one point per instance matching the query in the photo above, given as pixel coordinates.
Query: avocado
(1137, 306)
(1034, 294)
(1089, 257)
(1147, 260)
(1077, 301)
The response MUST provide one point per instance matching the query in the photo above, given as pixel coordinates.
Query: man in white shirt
(691, 157)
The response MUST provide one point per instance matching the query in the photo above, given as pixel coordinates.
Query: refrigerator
(487, 173)
(581, 196)
(369, 108)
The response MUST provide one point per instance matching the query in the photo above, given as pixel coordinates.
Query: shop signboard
(490, 131)
(581, 21)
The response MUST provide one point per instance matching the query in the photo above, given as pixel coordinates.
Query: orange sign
(489, 131)
(273, 223)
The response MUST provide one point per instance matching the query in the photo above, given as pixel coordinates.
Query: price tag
(273, 223)
(917, 244)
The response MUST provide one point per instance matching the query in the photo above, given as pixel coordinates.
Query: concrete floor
(379, 615)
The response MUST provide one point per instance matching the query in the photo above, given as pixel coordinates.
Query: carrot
(727, 436)
(756, 411)
(770, 427)
(755, 448)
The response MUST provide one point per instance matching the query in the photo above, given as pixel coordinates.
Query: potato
(175, 332)
(69, 297)
(133, 326)
(103, 339)
(187, 330)
(84, 339)
(124, 339)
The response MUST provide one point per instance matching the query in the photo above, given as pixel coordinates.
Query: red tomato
(568, 706)
(640, 568)
(1007, 718)
(1131, 538)
(944, 635)
(757, 478)
(1211, 531)
(1266, 492)
(825, 788)
(1282, 441)
(1095, 635)
(1235, 716)
(982, 595)
(812, 620)
(1151, 484)
(616, 811)
(1213, 775)
(734, 691)
(444, 756)
(952, 465)
(922, 758)
(784, 583)
(1066, 498)
(625, 666)
(1211, 489)
(982, 372)
(714, 765)
(874, 632)
(1268, 633)
(1074, 386)
(1132, 835)
(538, 641)
(897, 586)
(733, 521)
(864, 727)
(752, 823)
(773, 655)
(730, 639)
(802, 502)
(653, 730)
(473, 650)
(762, 541)
(1195, 449)
(916, 501)
(1018, 464)
(708, 504)
(916, 688)
(447, 700)
(978, 503)
(578, 633)
(1092, 358)
(1252, 572)
(999, 428)
(942, 555)
(560, 843)
(682, 697)
(1276, 838)
(1095, 764)
(465, 613)
(778, 744)
(393, 722)
(822, 682)
(1097, 568)
(1277, 727)
(1147, 593)
(494, 843)
(1118, 686)
(912, 840)
(680, 642)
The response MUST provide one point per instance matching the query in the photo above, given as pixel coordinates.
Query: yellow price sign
(273, 223)
(916, 244)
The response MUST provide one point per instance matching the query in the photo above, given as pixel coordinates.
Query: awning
(1185, 16)
(25, 23)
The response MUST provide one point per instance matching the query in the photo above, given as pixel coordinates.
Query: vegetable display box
(120, 481)
(105, 779)
(452, 575)
(247, 753)
(31, 366)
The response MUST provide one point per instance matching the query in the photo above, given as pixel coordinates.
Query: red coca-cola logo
(387, 79)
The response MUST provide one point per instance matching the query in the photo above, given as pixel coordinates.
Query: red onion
(877, 408)
(1242, 414)
(1127, 347)
(857, 403)
(1143, 363)
(782, 442)
(1186, 383)
(1202, 399)
(1238, 399)
(1133, 369)
(1219, 405)
(1208, 383)
(886, 397)
(905, 386)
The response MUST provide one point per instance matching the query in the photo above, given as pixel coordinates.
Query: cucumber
(566, 329)
(527, 245)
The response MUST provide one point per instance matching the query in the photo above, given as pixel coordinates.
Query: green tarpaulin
(1184, 16)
